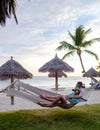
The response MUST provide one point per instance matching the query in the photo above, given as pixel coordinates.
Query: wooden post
(18, 88)
(12, 96)
(56, 81)
(12, 100)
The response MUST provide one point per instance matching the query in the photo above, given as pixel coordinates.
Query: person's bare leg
(49, 98)
(56, 101)
(59, 98)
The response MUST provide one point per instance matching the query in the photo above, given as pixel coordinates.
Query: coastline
(23, 104)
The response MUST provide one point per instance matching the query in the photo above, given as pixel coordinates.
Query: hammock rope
(32, 93)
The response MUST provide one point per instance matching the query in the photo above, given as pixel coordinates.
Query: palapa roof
(13, 68)
(91, 72)
(59, 74)
(55, 65)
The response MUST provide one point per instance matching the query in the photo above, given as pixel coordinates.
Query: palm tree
(7, 9)
(79, 44)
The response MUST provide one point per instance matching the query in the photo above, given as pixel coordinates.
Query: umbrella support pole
(18, 88)
(56, 81)
(12, 100)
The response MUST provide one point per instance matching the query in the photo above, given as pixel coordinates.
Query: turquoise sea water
(48, 83)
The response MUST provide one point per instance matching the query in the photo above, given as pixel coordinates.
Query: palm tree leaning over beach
(79, 44)
(7, 9)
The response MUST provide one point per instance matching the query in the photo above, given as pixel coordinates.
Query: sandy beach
(23, 104)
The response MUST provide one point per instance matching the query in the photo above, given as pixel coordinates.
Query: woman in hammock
(59, 99)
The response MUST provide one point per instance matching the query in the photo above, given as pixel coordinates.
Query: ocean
(49, 83)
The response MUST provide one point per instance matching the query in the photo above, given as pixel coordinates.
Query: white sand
(22, 104)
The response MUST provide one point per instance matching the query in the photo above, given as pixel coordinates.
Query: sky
(42, 25)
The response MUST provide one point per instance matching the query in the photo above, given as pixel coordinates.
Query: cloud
(42, 25)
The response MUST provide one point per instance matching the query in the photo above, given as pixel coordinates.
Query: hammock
(32, 93)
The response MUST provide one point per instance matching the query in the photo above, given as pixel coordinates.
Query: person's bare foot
(42, 95)
(41, 103)
(45, 105)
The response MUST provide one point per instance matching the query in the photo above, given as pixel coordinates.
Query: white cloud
(42, 25)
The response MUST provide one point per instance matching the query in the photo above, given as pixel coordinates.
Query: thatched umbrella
(59, 74)
(91, 73)
(11, 70)
(56, 65)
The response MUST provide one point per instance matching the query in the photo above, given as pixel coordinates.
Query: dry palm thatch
(56, 65)
(91, 73)
(12, 69)
(7, 9)
(59, 74)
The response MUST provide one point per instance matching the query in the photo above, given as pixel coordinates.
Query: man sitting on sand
(71, 98)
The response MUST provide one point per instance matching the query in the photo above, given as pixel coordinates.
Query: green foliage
(7, 9)
(78, 118)
(78, 44)
(98, 67)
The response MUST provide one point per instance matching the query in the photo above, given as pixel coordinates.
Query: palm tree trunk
(81, 63)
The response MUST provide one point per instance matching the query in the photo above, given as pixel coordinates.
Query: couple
(72, 98)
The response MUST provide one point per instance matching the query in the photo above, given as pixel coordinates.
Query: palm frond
(88, 31)
(98, 66)
(68, 54)
(87, 43)
(12, 7)
(79, 35)
(7, 9)
(90, 42)
(92, 54)
(95, 39)
(65, 45)
(72, 37)
(85, 32)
